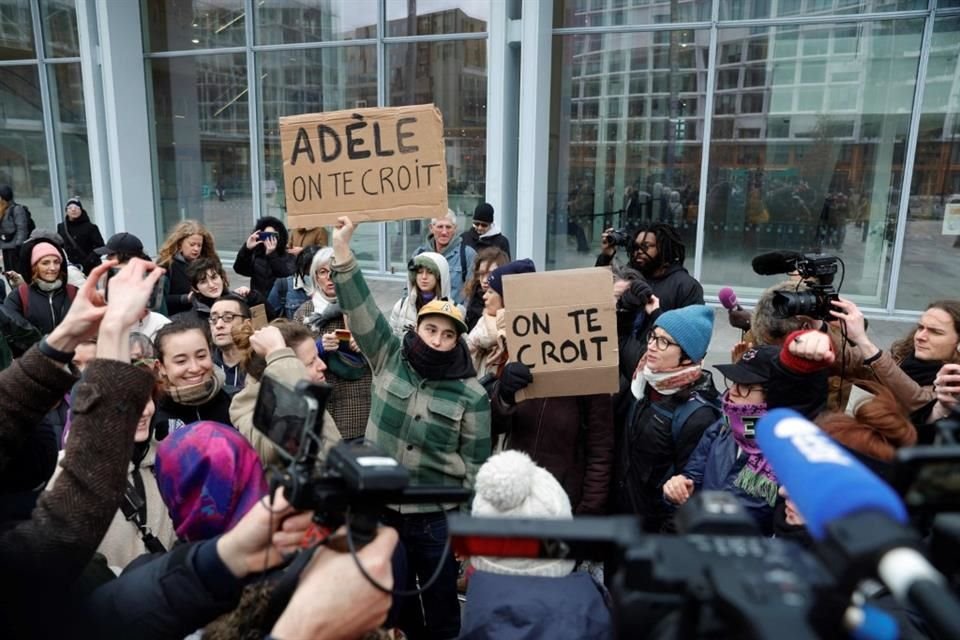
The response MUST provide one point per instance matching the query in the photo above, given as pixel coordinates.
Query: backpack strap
(134, 508)
(679, 416)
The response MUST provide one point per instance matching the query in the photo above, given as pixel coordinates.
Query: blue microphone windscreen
(823, 479)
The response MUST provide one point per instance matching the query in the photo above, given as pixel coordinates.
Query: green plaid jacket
(438, 429)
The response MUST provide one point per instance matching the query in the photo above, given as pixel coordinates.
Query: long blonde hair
(183, 230)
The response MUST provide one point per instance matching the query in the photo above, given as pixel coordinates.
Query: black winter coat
(648, 454)
(177, 291)
(477, 242)
(263, 269)
(80, 238)
(172, 415)
(571, 437)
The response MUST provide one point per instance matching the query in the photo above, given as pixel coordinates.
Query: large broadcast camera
(816, 272)
(353, 483)
(719, 579)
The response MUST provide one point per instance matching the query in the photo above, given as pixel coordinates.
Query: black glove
(515, 376)
(636, 296)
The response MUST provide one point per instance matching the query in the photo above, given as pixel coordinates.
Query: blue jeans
(436, 613)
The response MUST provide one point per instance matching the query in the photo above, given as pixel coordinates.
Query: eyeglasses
(739, 390)
(227, 317)
(323, 273)
(662, 342)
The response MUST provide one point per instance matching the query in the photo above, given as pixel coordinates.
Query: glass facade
(44, 154)
(213, 144)
(794, 133)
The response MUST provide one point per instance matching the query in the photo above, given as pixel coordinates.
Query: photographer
(43, 557)
(657, 254)
(264, 257)
(431, 414)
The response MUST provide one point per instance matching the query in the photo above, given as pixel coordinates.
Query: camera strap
(134, 508)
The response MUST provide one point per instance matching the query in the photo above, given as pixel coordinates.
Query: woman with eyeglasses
(347, 369)
(674, 401)
(192, 384)
(727, 457)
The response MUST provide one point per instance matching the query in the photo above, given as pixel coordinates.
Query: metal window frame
(253, 115)
(49, 133)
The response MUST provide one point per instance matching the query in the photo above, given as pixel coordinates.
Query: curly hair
(183, 230)
(878, 428)
(294, 334)
(669, 243)
(495, 255)
(198, 269)
(903, 348)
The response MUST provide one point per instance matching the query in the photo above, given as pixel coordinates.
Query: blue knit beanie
(691, 328)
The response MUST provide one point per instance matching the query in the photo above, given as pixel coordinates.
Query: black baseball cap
(754, 367)
(123, 242)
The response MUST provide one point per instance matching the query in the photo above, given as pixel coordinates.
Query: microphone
(728, 299)
(739, 319)
(775, 262)
(858, 520)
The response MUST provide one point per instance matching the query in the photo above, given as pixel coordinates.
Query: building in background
(816, 125)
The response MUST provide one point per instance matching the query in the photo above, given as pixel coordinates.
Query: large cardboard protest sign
(562, 324)
(370, 164)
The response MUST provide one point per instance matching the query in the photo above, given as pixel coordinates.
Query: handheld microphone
(739, 319)
(728, 299)
(775, 262)
(858, 521)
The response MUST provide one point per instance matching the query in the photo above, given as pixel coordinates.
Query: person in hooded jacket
(674, 401)
(46, 299)
(428, 279)
(142, 524)
(347, 369)
(80, 235)
(264, 257)
(187, 241)
(485, 232)
(192, 384)
(514, 598)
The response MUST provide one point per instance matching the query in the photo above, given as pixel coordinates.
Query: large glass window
(432, 17)
(624, 156)
(16, 30)
(295, 82)
(295, 21)
(605, 13)
(815, 162)
(452, 75)
(70, 126)
(753, 9)
(931, 250)
(175, 25)
(61, 39)
(202, 144)
(23, 149)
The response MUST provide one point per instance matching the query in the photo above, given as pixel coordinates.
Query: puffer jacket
(404, 314)
(46, 308)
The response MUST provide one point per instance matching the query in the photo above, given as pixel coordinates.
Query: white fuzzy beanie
(510, 485)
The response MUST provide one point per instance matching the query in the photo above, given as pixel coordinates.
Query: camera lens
(787, 304)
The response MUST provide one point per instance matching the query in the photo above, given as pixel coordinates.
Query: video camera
(352, 483)
(719, 579)
(621, 238)
(816, 270)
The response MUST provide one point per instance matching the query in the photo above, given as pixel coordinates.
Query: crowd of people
(135, 493)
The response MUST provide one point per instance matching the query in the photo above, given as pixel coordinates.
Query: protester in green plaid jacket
(429, 412)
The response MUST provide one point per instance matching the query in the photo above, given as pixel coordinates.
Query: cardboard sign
(563, 325)
(258, 316)
(370, 164)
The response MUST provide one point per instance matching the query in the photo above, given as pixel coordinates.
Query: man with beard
(654, 282)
